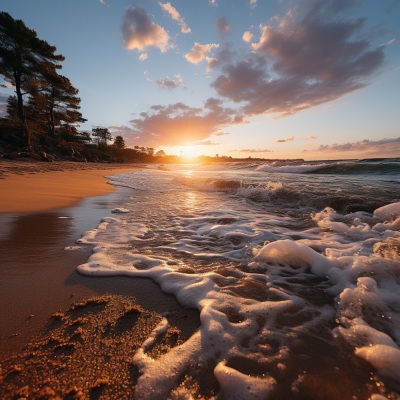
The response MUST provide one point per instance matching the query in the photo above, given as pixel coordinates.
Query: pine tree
(119, 142)
(61, 104)
(23, 58)
(102, 135)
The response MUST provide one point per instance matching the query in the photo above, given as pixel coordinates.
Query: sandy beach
(59, 328)
(30, 187)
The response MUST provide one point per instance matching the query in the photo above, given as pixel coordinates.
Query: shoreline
(38, 281)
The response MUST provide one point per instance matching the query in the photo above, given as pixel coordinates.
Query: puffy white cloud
(223, 26)
(199, 51)
(247, 36)
(253, 3)
(175, 15)
(171, 83)
(310, 57)
(139, 32)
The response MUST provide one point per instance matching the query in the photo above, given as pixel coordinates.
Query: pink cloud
(247, 36)
(199, 51)
(178, 124)
(309, 137)
(175, 15)
(139, 32)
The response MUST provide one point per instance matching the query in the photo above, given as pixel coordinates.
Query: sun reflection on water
(190, 200)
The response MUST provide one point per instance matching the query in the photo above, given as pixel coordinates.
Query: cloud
(143, 56)
(247, 36)
(391, 145)
(310, 57)
(211, 63)
(309, 137)
(221, 133)
(139, 32)
(253, 3)
(207, 143)
(174, 13)
(178, 124)
(255, 151)
(223, 55)
(289, 139)
(213, 2)
(199, 51)
(7, 85)
(223, 26)
(171, 83)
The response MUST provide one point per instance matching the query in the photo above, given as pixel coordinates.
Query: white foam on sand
(353, 255)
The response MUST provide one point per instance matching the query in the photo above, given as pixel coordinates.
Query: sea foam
(263, 286)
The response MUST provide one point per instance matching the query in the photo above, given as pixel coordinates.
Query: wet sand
(41, 340)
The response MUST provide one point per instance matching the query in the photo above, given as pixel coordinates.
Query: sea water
(294, 267)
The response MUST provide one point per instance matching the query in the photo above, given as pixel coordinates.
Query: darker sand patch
(86, 352)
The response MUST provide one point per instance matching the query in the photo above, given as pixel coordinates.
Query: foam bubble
(388, 212)
(237, 386)
(386, 359)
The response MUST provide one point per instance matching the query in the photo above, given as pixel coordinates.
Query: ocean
(294, 267)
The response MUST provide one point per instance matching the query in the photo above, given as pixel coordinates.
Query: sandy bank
(31, 187)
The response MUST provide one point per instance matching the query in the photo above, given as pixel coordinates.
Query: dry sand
(30, 187)
(50, 348)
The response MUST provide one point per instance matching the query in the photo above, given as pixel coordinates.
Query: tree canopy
(30, 64)
(101, 135)
(119, 142)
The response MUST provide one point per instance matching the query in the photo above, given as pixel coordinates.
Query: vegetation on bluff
(43, 117)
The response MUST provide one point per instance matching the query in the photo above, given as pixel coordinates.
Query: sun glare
(188, 151)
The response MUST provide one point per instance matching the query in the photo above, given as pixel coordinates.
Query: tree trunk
(52, 127)
(20, 107)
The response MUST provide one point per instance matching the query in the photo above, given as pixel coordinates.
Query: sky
(311, 79)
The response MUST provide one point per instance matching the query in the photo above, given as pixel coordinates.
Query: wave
(294, 169)
(278, 193)
(360, 167)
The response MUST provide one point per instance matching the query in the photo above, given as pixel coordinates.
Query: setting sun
(188, 151)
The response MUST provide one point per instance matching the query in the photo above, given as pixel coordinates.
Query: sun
(188, 151)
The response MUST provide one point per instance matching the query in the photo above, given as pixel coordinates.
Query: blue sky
(276, 79)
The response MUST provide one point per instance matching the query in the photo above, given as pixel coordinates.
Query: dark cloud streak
(366, 145)
(223, 26)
